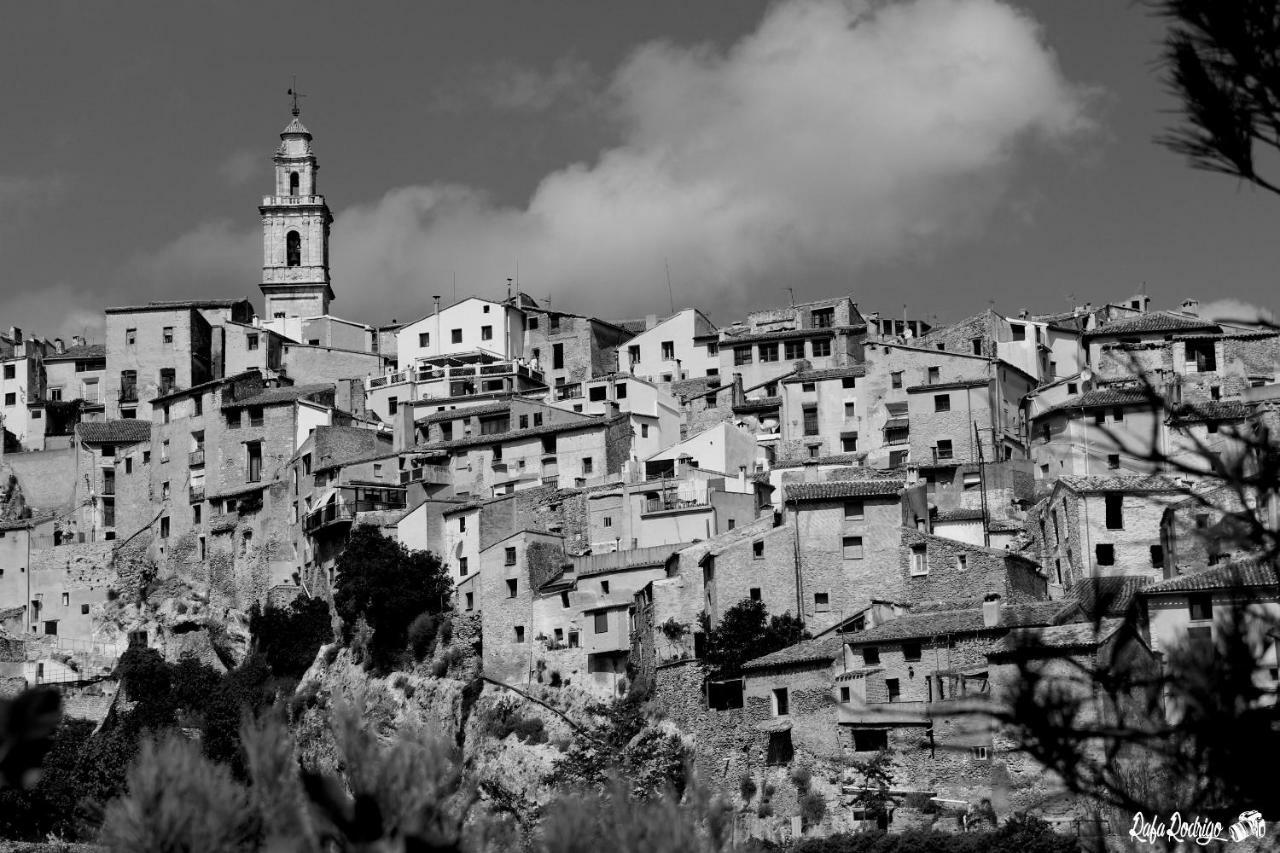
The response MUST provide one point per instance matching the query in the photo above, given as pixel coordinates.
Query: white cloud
(213, 260)
(243, 165)
(834, 136)
(53, 311)
(1236, 311)
(18, 190)
(520, 88)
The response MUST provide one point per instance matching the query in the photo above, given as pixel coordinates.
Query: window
(197, 406)
(512, 585)
(823, 318)
(537, 419)
(757, 549)
(573, 639)
(980, 753)
(1157, 556)
(781, 702)
(164, 450)
(895, 379)
(66, 599)
(870, 656)
(587, 465)
(1115, 511)
(471, 601)
(780, 749)
(253, 461)
(821, 602)
(128, 465)
(166, 335)
(815, 451)
(741, 355)
(486, 333)
(1117, 415)
(510, 556)
(84, 610)
(821, 348)
(1019, 331)
(754, 593)
(393, 405)
(911, 651)
(164, 491)
(1106, 555)
(849, 443)
(870, 740)
(130, 337)
(11, 398)
(962, 562)
(810, 420)
(854, 510)
(251, 341)
(891, 685)
(1113, 461)
(668, 351)
(10, 371)
(844, 694)
(164, 527)
(462, 567)
(852, 547)
(557, 356)
(942, 402)
(293, 249)
(168, 379)
(455, 336)
(462, 524)
(944, 448)
(919, 560)
(601, 621)
(1201, 606)
(644, 430)
(932, 378)
(793, 350)
(604, 587)
(850, 411)
(519, 633)
(768, 352)
(424, 339)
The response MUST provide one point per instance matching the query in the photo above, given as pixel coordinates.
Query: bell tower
(295, 231)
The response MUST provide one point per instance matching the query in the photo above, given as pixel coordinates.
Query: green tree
(873, 791)
(389, 586)
(745, 632)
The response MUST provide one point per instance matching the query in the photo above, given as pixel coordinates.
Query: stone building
(766, 346)
(105, 457)
(1101, 526)
(683, 346)
(822, 415)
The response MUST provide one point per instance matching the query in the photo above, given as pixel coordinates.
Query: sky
(932, 156)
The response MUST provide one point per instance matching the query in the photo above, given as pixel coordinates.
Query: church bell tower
(295, 231)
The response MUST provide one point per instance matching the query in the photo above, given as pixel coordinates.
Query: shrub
(764, 809)
(813, 808)
(747, 786)
(288, 638)
(801, 777)
(555, 680)
(422, 634)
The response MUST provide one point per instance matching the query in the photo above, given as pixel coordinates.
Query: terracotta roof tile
(1247, 572)
(1104, 398)
(1150, 323)
(1134, 483)
(115, 432)
(970, 620)
(1074, 635)
(806, 651)
(842, 489)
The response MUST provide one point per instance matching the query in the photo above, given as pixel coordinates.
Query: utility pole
(982, 485)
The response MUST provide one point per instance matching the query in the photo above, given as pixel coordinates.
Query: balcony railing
(433, 374)
(343, 513)
(195, 493)
(426, 474)
(128, 395)
(195, 458)
(666, 504)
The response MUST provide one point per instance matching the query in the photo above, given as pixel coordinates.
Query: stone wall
(984, 570)
(850, 583)
(72, 582)
(47, 477)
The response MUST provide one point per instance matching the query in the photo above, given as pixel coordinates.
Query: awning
(897, 423)
(774, 725)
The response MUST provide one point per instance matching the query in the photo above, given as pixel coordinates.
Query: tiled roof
(827, 373)
(835, 459)
(115, 432)
(948, 386)
(177, 306)
(1074, 635)
(283, 394)
(588, 422)
(959, 514)
(1103, 398)
(1106, 596)
(842, 489)
(1210, 410)
(344, 445)
(22, 523)
(787, 334)
(1133, 483)
(87, 351)
(806, 651)
(1150, 323)
(465, 412)
(1250, 571)
(970, 620)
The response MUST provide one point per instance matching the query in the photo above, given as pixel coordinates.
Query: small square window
(844, 694)
(919, 560)
(510, 556)
(754, 594)
(854, 510)
(821, 602)
(1113, 461)
(895, 379)
(512, 584)
(456, 336)
(911, 651)
(519, 633)
(1200, 606)
(757, 550)
(167, 334)
(604, 587)
(962, 562)
(1106, 555)
(871, 656)
(84, 610)
(852, 547)
(942, 402)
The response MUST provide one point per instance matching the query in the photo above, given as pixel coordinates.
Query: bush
(505, 719)
(747, 786)
(288, 638)
(555, 680)
(422, 634)
(801, 777)
(813, 808)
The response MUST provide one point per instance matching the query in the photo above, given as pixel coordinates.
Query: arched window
(293, 249)
(293, 183)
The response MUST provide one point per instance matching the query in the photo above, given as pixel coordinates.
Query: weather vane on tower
(293, 90)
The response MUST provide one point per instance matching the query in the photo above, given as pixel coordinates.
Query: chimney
(1191, 306)
(1023, 313)
(991, 610)
(682, 466)
(738, 396)
(77, 341)
(15, 334)
(810, 470)
(58, 346)
(256, 322)
(437, 299)
(650, 320)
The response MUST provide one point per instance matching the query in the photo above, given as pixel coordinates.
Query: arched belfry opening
(293, 183)
(293, 249)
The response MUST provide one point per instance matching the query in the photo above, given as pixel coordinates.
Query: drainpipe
(795, 528)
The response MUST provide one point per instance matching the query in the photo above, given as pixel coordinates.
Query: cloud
(19, 190)
(54, 311)
(833, 137)
(215, 260)
(519, 88)
(241, 166)
(1237, 311)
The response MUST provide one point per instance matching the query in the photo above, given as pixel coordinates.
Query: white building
(683, 346)
(469, 326)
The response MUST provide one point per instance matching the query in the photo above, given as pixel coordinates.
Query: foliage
(619, 823)
(745, 632)
(747, 787)
(388, 586)
(801, 776)
(504, 719)
(425, 629)
(50, 806)
(289, 637)
(1220, 63)
(247, 688)
(813, 808)
(1018, 835)
(873, 790)
(27, 726)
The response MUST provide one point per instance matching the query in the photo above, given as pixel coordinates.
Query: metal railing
(431, 374)
(195, 493)
(425, 474)
(195, 457)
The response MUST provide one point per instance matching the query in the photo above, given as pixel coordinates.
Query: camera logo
(1250, 823)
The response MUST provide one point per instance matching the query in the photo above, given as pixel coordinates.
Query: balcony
(195, 494)
(327, 516)
(671, 503)
(128, 395)
(291, 200)
(195, 458)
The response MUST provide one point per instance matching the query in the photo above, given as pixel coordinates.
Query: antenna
(293, 91)
(670, 294)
